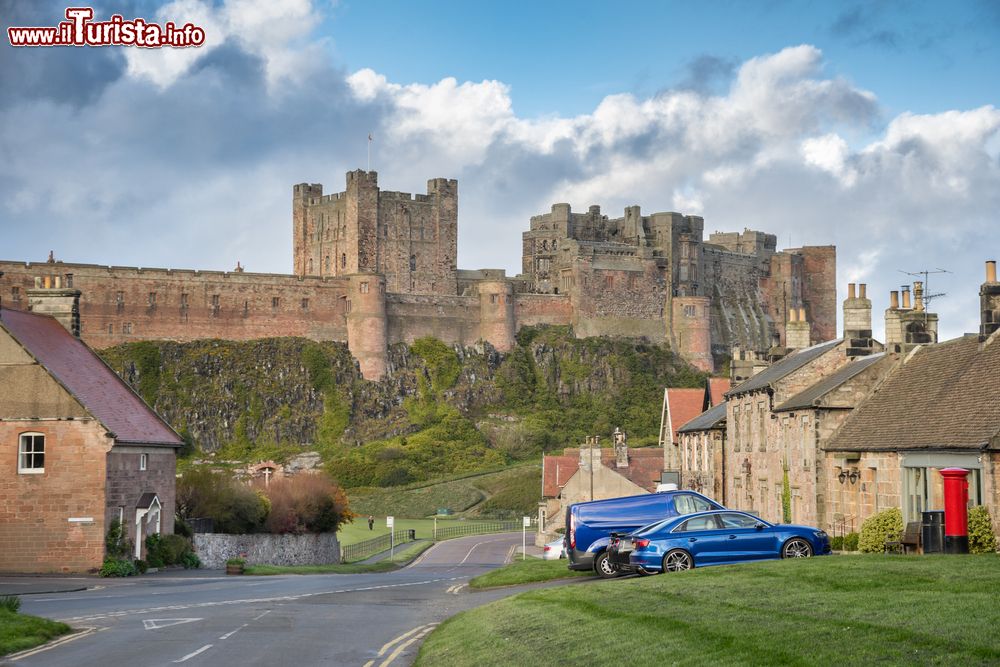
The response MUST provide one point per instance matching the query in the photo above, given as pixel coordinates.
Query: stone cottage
(82, 448)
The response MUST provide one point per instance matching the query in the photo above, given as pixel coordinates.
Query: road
(206, 618)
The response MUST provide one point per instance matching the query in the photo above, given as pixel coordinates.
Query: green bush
(116, 545)
(141, 566)
(236, 561)
(851, 542)
(11, 603)
(154, 551)
(982, 539)
(117, 567)
(233, 507)
(190, 561)
(163, 550)
(877, 528)
(837, 542)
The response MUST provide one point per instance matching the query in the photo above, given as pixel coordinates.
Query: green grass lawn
(352, 533)
(526, 571)
(900, 610)
(20, 631)
(402, 556)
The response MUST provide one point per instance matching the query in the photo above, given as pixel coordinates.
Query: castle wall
(532, 309)
(454, 319)
(123, 304)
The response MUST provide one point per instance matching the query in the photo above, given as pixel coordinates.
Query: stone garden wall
(214, 549)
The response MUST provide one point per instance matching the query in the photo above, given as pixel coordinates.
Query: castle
(374, 268)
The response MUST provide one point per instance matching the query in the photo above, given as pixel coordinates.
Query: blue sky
(873, 126)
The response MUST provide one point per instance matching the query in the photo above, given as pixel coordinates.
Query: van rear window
(686, 504)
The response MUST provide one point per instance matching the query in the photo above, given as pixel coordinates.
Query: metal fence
(477, 528)
(359, 550)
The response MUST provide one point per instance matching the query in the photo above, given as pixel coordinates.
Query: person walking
(371, 522)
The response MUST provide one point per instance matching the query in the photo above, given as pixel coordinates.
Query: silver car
(554, 550)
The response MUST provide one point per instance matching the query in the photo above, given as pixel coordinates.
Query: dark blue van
(588, 525)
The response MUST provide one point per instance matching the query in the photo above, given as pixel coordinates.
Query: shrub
(306, 504)
(117, 567)
(116, 545)
(236, 561)
(162, 550)
(190, 561)
(982, 539)
(154, 551)
(851, 542)
(233, 507)
(877, 528)
(837, 542)
(182, 528)
(141, 566)
(11, 603)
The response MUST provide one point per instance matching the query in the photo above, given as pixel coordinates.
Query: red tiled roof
(101, 392)
(645, 466)
(717, 387)
(683, 405)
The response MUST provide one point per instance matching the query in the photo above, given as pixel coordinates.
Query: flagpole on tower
(370, 138)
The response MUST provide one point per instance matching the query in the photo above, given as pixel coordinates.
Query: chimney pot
(792, 314)
(58, 282)
(918, 296)
(38, 282)
(850, 291)
(48, 282)
(802, 314)
(863, 291)
(906, 298)
(894, 300)
(991, 271)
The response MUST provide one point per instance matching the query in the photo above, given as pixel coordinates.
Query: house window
(363, 288)
(275, 302)
(143, 460)
(15, 293)
(31, 454)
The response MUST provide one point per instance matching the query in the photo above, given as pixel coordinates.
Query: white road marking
(233, 632)
(220, 603)
(191, 655)
(157, 623)
(260, 616)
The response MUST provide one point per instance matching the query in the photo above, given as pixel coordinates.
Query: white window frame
(143, 461)
(21, 469)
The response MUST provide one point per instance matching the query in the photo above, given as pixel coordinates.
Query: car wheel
(677, 560)
(604, 567)
(796, 548)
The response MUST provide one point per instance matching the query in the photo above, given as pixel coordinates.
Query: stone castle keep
(374, 268)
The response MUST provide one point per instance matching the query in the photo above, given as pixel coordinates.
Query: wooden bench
(910, 539)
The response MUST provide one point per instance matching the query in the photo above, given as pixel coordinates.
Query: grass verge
(400, 558)
(835, 610)
(19, 632)
(526, 571)
(355, 532)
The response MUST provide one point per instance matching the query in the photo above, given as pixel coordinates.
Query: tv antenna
(927, 297)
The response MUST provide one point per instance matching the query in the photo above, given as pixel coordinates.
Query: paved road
(207, 619)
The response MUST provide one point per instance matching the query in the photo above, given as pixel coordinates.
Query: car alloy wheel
(604, 567)
(796, 548)
(677, 560)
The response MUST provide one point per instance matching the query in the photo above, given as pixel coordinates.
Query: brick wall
(35, 532)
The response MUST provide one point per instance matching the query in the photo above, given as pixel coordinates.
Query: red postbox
(956, 510)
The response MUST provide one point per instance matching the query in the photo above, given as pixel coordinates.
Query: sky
(873, 126)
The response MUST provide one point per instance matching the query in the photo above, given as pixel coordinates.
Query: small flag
(370, 137)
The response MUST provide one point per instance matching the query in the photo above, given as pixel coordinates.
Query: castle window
(184, 301)
(215, 301)
(609, 281)
(328, 263)
(343, 261)
(152, 299)
(120, 298)
(381, 288)
(348, 305)
(555, 244)
(69, 281)
(127, 328)
(545, 245)
(31, 454)
(143, 461)
(246, 308)
(413, 262)
(275, 302)
(494, 298)
(363, 287)
(111, 329)
(305, 304)
(689, 311)
(15, 293)
(310, 267)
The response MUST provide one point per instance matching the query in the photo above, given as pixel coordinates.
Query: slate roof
(786, 366)
(717, 388)
(946, 396)
(811, 396)
(101, 392)
(714, 417)
(645, 466)
(684, 405)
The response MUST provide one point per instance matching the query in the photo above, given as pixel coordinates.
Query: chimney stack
(797, 332)
(49, 297)
(989, 301)
(858, 322)
(918, 296)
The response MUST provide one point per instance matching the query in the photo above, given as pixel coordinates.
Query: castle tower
(361, 213)
(496, 314)
(303, 227)
(692, 330)
(797, 329)
(444, 214)
(989, 300)
(49, 297)
(367, 325)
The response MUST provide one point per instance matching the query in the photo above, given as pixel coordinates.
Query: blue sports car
(718, 537)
